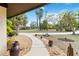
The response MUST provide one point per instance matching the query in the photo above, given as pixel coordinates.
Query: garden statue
(70, 51)
(15, 50)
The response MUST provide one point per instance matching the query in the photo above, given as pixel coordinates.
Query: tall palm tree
(39, 14)
(37, 17)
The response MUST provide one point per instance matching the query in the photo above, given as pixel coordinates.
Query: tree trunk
(73, 31)
(39, 23)
(17, 30)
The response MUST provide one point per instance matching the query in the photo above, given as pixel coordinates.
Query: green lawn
(38, 31)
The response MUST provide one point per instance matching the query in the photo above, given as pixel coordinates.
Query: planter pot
(50, 43)
(15, 50)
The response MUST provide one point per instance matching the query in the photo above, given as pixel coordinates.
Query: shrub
(10, 27)
(10, 42)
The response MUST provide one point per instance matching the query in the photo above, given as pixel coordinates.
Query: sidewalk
(38, 48)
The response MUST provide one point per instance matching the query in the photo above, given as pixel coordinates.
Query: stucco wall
(3, 39)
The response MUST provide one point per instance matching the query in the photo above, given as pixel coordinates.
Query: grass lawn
(37, 31)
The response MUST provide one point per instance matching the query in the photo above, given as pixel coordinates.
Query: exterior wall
(3, 35)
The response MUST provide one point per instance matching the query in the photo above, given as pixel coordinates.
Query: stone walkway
(38, 48)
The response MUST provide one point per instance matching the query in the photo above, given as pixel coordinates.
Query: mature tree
(54, 19)
(69, 20)
(25, 21)
(78, 25)
(50, 26)
(19, 21)
(33, 25)
(77, 14)
(77, 17)
(44, 25)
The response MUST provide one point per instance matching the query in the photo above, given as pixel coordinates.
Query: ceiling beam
(4, 5)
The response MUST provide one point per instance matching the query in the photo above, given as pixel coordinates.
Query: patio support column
(3, 35)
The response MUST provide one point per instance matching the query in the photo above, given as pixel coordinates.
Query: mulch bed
(59, 47)
(25, 45)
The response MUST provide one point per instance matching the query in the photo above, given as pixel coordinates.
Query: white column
(3, 36)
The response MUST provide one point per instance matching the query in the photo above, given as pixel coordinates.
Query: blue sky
(53, 8)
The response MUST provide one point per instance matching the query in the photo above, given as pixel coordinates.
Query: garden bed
(25, 45)
(59, 47)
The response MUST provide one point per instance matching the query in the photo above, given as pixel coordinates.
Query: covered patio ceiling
(14, 9)
(19, 8)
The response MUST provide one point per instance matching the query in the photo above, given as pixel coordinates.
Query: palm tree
(37, 17)
(39, 14)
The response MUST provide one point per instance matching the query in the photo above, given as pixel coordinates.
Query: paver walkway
(38, 48)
